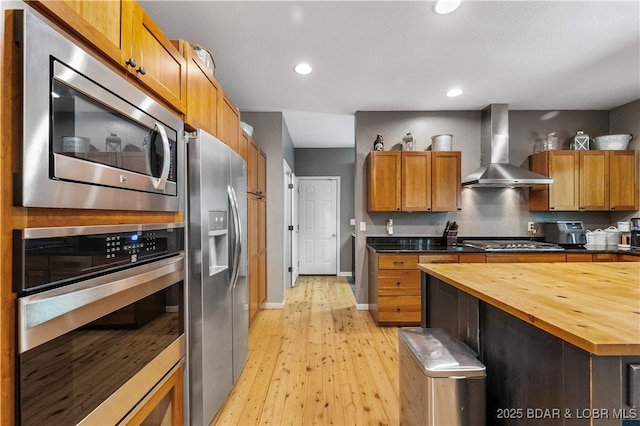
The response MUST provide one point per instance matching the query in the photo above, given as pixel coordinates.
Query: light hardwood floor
(317, 361)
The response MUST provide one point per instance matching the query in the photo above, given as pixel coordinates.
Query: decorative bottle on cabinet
(378, 145)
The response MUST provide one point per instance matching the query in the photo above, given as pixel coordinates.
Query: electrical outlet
(363, 226)
(531, 226)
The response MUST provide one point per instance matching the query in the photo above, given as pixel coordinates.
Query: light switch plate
(363, 226)
(353, 222)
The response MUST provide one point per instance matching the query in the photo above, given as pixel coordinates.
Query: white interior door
(295, 269)
(318, 217)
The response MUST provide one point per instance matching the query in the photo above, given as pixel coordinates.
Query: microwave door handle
(161, 182)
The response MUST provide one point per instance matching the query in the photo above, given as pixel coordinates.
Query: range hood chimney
(495, 170)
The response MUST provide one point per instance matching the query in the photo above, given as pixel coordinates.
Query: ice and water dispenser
(218, 242)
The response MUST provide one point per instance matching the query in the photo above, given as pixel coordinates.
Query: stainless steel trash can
(442, 383)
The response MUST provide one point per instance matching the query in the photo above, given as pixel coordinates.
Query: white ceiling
(401, 56)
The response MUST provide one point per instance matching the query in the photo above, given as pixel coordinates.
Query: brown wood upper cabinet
(243, 145)
(257, 170)
(586, 180)
(202, 93)
(124, 33)
(414, 181)
(228, 121)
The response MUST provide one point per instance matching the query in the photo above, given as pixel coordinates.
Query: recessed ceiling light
(302, 69)
(443, 7)
(454, 92)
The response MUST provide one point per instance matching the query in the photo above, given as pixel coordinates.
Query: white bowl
(441, 142)
(612, 142)
(247, 128)
(624, 226)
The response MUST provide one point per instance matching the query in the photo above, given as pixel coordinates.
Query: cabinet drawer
(579, 257)
(395, 283)
(398, 261)
(526, 258)
(399, 309)
(629, 258)
(473, 258)
(605, 257)
(438, 258)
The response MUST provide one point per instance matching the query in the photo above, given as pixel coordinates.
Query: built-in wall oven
(90, 139)
(100, 313)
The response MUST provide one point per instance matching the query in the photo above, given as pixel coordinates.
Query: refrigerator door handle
(237, 236)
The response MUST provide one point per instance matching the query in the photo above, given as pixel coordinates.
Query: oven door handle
(44, 316)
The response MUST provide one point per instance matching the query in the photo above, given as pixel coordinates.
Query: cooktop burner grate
(512, 245)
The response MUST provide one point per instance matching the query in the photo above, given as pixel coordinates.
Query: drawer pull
(397, 309)
(398, 283)
(398, 262)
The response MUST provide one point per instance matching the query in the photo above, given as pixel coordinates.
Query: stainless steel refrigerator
(218, 298)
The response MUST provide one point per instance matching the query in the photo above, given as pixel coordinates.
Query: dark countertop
(434, 245)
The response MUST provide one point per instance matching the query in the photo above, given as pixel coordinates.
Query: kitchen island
(560, 340)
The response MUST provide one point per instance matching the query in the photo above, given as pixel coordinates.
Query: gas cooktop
(512, 245)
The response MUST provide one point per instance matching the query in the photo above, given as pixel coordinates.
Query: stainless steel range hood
(495, 170)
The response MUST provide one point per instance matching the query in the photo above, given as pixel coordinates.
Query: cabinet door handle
(397, 309)
(131, 62)
(398, 283)
(141, 70)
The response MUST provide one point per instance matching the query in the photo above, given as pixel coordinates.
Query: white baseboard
(345, 274)
(362, 306)
(274, 305)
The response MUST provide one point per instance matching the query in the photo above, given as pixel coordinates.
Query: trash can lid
(439, 355)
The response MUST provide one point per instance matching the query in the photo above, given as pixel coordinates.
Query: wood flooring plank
(317, 361)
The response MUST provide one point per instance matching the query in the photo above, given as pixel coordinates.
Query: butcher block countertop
(594, 306)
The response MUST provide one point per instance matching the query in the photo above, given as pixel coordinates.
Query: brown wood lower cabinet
(628, 258)
(257, 253)
(605, 257)
(398, 296)
(526, 258)
(395, 281)
(579, 257)
(164, 405)
(394, 289)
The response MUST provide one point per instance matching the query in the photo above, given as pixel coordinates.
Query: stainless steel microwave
(90, 139)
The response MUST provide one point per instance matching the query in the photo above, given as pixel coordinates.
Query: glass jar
(551, 142)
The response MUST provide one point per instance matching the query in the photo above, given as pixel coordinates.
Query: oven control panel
(47, 257)
(133, 244)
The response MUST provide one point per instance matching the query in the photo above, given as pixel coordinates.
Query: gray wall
(626, 119)
(486, 212)
(272, 135)
(334, 162)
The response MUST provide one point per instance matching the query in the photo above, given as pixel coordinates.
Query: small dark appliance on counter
(450, 235)
(565, 232)
(635, 233)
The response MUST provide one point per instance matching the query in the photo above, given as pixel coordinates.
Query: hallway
(317, 361)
